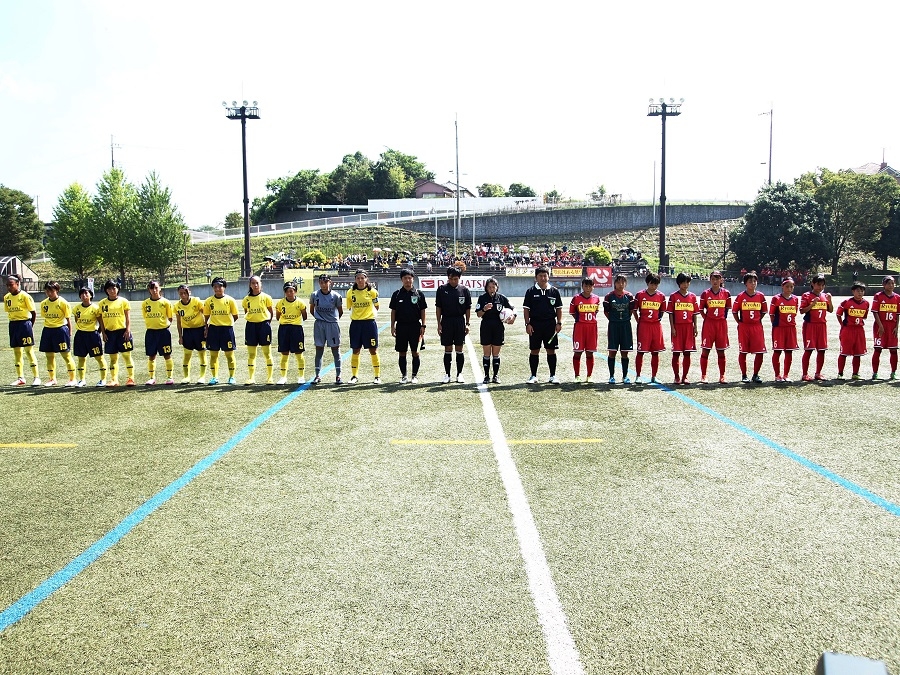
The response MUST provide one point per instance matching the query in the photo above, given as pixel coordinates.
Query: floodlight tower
(243, 113)
(664, 110)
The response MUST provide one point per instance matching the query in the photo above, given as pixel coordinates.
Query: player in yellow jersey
(362, 299)
(56, 338)
(19, 307)
(191, 326)
(87, 340)
(115, 328)
(157, 312)
(220, 311)
(291, 313)
(258, 314)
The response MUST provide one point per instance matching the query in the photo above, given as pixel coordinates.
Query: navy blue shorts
(21, 333)
(194, 339)
(158, 341)
(116, 342)
(290, 339)
(259, 333)
(87, 343)
(363, 333)
(220, 338)
(55, 340)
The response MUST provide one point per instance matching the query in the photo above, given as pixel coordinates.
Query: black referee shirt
(542, 303)
(408, 305)
(453, 301)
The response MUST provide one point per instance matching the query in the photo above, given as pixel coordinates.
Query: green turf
(677, 543)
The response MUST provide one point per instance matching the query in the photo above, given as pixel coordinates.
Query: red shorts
(815, 336)
(751, 339)
(714, 334)
(684, 340)
(650, 337)
(584, 337)
(886, 341)
(784, 338)
(853, 341)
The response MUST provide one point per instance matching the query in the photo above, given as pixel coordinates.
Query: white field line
(562, 653)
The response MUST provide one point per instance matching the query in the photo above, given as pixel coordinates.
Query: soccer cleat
(101, 383)
(612, 380)
(49, 383)
(531, 380)
(301, 380)
(587, 378)
(213, 380)
(703, 380)
(875, 376)
(807, 378)
(150, 382)
(270, 381)
(377, 380)
(486, 380)
(756, 379)
(840, 376)
(459, 379)
(231, 381)
(626, 380)
(18, 382)
(495, 380)
(186, 380)
(819, 377)
(446, 379)
(553, 380)
(129, 382)
(36, 382)
(249, 383)
(744, 378)
(79, 383)
(786, 379)
(578, 379)
(354, 379)
(779, 378)
(338, 380)
(72, 383)
(404, 380)
(414, 380)
(317, 380)
(169, 381)
(653, 380)
(855, 376)
(685, 382)
(282, 380)
(201, 381)
(893, 375)
(722, 380)
(112, 383)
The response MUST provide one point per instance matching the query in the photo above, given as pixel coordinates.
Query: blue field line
(16, 611)
(856, 489)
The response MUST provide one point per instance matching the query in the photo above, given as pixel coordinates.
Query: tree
(396, 174)
(552, 197)
(160, 240)
(116, 220)
(888, 245)
(599, 195)
(21, 231)
(783, 228)
(314, 257)
(234, 221)
(352, 181)
(520, 190)
(597, 255)
(71, 242)
(491, 190)
(856, 208)
(307, 186)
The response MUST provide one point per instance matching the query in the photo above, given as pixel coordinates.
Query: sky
(553, 95)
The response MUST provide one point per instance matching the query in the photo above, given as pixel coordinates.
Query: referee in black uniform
(408, 323)
(453, 305)
(542, 311)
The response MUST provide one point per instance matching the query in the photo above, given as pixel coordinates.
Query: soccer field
(449, 528)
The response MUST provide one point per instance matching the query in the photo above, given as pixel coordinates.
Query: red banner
(602, 276)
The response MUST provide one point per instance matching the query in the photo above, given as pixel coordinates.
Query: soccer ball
(507, 315)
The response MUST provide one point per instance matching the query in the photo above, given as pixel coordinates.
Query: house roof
(875, 168)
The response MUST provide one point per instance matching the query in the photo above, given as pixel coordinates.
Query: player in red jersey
(649, 306)
(852, 314)
(885, 306)
(783, 313)
(584, 308)
(749, 309)
(814, 305)
(715, 303)
(683, 311)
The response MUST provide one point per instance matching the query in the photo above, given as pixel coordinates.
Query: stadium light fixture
(244, 113)
(664, 110)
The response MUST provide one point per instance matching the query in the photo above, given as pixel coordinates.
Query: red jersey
(886, 306)
(715, 306)
(852, 312)
(682, 308)
(749, 309)
(649, 308)
(819, 307)
(783, 311)
(585, 309)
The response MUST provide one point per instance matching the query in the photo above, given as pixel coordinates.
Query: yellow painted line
(525, 441)
(38, 445)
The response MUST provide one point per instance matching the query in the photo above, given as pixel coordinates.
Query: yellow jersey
(157, 313)
(18, 306)
(86, 318)
(190, 314)
(114, 313)
(55, 312)
(362, 303)
(257, 308)
(220, 311)
(290, 313)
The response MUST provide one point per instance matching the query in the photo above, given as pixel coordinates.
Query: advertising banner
(602, 276)
(472, 283)
(565, 272)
